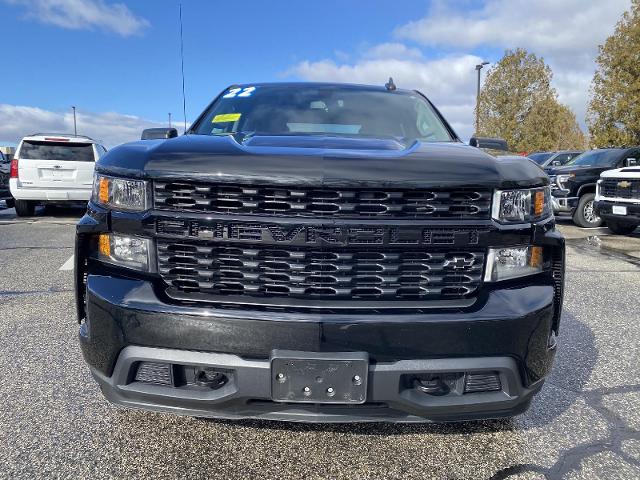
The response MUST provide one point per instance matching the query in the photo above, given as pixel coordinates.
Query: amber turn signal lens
(104, 244)
(538, 206)
(104, 190)
(536, 257)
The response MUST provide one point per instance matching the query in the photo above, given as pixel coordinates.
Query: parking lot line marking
(68, 265)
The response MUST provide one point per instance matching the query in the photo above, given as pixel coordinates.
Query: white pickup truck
(52, 168)
(618, 199)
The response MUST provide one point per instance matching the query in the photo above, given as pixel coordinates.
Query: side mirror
(556, 163)
(631, 162)
(158, 133)
(490, 143)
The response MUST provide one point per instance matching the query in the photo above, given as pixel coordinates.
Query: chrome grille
(322, 202)
(327, 273)
(620, 188)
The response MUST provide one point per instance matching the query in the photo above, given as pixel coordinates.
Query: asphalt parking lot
(54, 422)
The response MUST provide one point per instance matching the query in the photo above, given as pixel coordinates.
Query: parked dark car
(5, 173)
(574, 185)
(322, 253)
(553, 159)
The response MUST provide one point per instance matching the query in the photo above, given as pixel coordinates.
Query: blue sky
(119, 63)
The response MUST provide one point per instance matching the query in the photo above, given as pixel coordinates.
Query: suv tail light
(14, 168)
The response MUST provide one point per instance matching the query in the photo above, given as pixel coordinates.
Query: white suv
(52, 168)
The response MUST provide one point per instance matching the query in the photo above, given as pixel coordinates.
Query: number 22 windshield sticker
(239, 92)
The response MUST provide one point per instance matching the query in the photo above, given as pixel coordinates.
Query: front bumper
(247, 394)
(511, 333)
(604, 209)
(564, 204)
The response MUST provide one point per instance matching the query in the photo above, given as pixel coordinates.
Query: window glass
(61, 151)
(540, 158)
(323, 110)
(598, 158)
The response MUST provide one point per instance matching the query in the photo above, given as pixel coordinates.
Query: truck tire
(621, 228)
(25, 208)
(585, 216)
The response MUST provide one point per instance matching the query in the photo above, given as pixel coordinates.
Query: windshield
(323, 110)
(540, 158)
(597, 158)
(73, 152)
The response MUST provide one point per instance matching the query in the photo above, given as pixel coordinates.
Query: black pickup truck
(320, 253)
(574, 184)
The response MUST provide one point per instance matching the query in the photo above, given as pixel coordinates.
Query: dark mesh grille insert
(620, 188)
(482, 382)
(151, 372)
(319, 202)
(308, 273)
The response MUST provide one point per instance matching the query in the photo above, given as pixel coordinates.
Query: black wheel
(621, 228)
(585, 215)
(25, 208)
(10, 202)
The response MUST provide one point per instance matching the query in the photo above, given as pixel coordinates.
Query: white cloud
(109, 128)
(565, 33)
(549, 26)
(85, 14)
(394, 51)
(449, 82)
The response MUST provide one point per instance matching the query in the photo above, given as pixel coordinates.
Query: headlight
(125, 251)
(520, 206)
(562, 179)
(119, 193)
(513, 262)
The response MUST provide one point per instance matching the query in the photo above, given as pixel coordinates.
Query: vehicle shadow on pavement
(46, 212)
(575, 360)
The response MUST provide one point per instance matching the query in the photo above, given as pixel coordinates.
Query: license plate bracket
(619, 210)
(319, 377)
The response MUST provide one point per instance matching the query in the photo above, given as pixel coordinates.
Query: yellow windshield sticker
(226, 117)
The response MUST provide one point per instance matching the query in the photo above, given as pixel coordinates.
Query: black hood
(319, 160)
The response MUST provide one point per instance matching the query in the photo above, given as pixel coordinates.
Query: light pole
(478, 68)
(75, 128)
(169, 119)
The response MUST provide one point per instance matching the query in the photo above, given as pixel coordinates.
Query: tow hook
(211, 378)
(432, 386)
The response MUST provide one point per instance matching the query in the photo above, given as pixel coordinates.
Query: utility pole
(169, 119)
(478, 69)
(75, 127)
(184, 97)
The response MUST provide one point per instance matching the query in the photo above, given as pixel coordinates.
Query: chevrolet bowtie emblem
(458, 263)
(624, 184)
